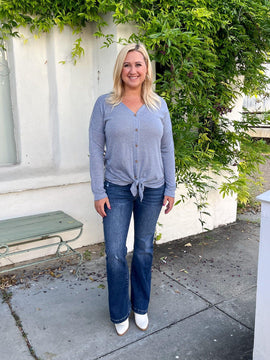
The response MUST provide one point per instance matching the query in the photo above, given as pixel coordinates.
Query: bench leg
(64, 249)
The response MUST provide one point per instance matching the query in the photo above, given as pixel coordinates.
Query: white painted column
(262, 320)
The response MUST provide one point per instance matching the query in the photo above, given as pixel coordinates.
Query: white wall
(262, 319)
(52, 104)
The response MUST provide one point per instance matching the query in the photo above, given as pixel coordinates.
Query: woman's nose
(132, 69)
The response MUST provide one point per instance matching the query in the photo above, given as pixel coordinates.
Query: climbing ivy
(206, 53)
(42, 15)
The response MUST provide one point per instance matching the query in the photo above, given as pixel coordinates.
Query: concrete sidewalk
(202, 305)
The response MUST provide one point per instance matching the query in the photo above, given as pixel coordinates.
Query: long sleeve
(96, 150)
(127, 148)
(167, 153)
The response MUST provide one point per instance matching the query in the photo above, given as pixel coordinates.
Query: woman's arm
(96, 149)
(167, 153)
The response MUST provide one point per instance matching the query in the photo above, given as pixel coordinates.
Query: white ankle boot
(141, 321)
(122, 327)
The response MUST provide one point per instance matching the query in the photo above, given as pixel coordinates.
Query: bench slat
(35, 226)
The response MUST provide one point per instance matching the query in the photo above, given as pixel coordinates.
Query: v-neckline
(134, 113)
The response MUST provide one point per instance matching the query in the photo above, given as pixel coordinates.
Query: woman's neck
(133, 100)
(132, 93)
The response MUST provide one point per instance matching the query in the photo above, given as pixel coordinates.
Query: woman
(136, 174)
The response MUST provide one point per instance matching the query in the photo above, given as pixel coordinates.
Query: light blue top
(135, 149)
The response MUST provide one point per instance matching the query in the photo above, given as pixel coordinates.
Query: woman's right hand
(100, 206)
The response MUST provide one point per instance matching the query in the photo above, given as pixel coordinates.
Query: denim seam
(123, 318)
(138, 311)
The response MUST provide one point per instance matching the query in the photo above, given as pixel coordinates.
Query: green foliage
(206, 52)
(87, 255)
(42, 15)
(249, 170)
(158, 235)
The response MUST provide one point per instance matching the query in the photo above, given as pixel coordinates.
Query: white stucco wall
(261, 349)
(52, 104)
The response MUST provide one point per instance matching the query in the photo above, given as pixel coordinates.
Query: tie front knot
(137, 188)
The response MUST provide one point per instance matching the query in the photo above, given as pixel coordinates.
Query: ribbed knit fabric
(128, 148)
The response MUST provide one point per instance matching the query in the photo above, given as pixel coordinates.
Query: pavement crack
(210, 305)
(7, 295)
(233, 318)
(152, 333)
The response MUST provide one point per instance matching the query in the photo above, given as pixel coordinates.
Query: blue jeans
(116, 224)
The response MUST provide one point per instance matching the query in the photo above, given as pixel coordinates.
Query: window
(259, 104)
(7, 139)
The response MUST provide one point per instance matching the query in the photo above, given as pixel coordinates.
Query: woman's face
(134, 70)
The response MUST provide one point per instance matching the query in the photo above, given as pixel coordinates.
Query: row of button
(136, 145)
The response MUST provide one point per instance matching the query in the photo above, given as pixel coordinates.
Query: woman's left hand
(168, 201)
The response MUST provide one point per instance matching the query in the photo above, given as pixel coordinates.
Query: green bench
(33, 230)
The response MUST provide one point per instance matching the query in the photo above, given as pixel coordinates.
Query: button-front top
(139, 149)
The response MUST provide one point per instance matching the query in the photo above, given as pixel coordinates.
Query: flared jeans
(116, 225)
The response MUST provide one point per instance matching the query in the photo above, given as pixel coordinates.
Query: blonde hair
(150, 98)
